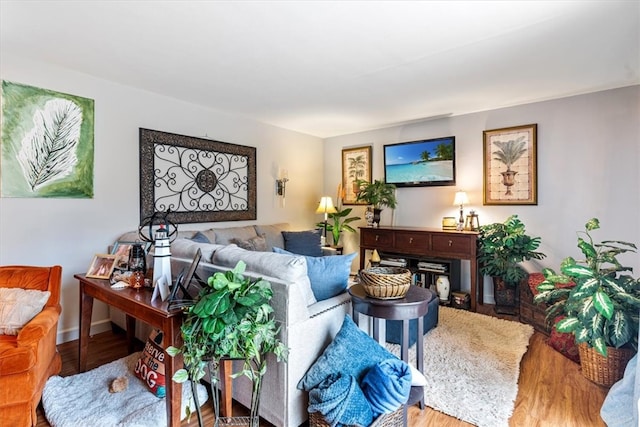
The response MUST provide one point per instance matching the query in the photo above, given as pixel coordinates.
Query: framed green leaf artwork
(47, 143)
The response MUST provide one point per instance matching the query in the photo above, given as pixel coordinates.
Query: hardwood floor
(551, 389)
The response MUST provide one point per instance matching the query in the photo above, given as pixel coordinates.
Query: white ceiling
(329, 68)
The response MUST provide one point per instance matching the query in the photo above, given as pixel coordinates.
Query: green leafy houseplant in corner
(502, 246)
(230, 318)
(378, 194)
(602, 310)
(338, 222)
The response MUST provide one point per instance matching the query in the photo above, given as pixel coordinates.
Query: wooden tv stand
(426, 242)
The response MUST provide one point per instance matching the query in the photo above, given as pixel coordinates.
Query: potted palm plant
(230, 319)
(602, 310)
(378, 194)
(339, 222)
(502, 247)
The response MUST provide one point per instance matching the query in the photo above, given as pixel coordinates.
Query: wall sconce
(461, 199)
(281, 183)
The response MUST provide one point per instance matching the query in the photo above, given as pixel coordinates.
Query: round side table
(414, 305)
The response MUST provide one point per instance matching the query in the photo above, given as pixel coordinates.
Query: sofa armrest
(39, 326)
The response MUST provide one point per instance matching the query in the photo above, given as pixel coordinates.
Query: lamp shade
(460, 199)
(326, 206)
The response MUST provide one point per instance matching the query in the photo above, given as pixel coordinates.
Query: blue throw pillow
(303, 242)
(329, 275)
(200, 238)
(352, 352)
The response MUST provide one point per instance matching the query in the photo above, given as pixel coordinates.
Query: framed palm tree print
(356, 165)
(510, 166)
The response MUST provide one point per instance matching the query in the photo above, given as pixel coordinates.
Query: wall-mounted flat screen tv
(422, 163)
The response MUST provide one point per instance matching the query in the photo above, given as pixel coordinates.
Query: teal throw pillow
(303, 242)
(200, 238)
(352, 352)
(329, 275)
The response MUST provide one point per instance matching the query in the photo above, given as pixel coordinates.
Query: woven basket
(394, 419)
(602, 370)
(385, 282)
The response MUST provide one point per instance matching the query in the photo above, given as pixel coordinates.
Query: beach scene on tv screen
(420, 161)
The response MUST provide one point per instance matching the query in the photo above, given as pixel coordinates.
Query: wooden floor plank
(551, 389)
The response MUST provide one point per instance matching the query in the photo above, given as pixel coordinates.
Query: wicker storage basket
(394, 419)
(602, 370)
(385, 282)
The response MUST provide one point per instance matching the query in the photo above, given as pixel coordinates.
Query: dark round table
(414, 305)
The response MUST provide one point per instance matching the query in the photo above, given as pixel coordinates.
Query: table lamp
(461, 199)
(325, 207)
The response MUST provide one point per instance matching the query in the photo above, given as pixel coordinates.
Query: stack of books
(432, 266)
(393, 262)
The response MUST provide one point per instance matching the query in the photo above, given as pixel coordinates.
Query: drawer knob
(377, 237)
(450, 242)
(410, 240)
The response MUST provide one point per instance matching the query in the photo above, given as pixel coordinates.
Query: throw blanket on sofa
(387, 386)
(340, 401)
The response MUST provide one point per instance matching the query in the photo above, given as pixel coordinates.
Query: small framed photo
(123, 249)
(102, 266)
(510, 166)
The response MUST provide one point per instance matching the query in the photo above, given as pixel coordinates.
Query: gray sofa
(306, 326)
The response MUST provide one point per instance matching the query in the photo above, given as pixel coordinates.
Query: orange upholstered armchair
(29, 358)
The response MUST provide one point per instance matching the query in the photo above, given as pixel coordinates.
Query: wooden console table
(426, 242)
(136, 304)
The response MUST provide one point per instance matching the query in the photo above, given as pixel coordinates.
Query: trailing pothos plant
(603, 307)
(230, 319)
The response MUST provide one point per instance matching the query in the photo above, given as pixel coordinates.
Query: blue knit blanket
(387, 386)
(340, 401)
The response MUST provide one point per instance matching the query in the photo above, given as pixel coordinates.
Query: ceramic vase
(443, 287)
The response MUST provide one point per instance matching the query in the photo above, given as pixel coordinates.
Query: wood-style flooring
(551, 389)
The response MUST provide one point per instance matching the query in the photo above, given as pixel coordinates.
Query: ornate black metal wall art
(197, 180)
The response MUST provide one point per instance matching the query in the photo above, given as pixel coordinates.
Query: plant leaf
(603, 304)
(48, 151)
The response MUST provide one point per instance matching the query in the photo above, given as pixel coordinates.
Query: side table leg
(226, 369)
(86, 307)
(420, 353)
(131, 333)
(404, 347)
(173, 337)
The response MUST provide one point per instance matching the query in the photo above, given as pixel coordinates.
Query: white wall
(69, 231)
(588, 166)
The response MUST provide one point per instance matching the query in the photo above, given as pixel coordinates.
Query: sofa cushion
(224, 235)
(18, 306)
(346, 355)
(273, 234)
(257, 243)
(187, 248)
(329, 275)
(303, 242)
(288, 268)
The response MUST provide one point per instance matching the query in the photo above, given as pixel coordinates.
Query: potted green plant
(502, 247)
(339, 223)
(230, 319)
(378, 194)
(602, 310)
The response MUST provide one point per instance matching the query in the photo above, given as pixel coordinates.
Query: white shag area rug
(84, 399)
(472, 365)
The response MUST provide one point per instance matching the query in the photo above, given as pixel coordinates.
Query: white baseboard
(74, 333)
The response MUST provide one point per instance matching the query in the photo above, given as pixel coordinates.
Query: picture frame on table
(123, 249)
(102, 266)
(356, 165)
(510, 165)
